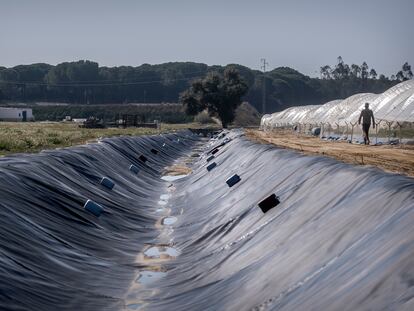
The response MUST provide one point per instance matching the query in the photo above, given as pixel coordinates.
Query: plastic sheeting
(55, 255)
(341, 238)
(394, 105)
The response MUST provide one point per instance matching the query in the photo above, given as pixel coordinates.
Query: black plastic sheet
(341, 238)
(54, 254)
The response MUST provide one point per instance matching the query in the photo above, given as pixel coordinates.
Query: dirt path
(396, 159)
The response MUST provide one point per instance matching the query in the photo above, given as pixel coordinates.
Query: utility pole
(264, 64)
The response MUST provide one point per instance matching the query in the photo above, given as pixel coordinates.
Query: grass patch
(21, 137)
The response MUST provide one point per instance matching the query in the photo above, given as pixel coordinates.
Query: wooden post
(376, 131)
(329, 129)
(346, 123)
(352, 130)
(389, 130)
(400, 131)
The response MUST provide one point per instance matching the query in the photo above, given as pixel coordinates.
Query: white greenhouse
(394, 106)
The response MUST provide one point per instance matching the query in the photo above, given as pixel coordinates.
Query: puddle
(172, 178)
(161, 251)
(168, 221)
(165, 197)
(147, 277)
(160, 210)
(134, 306)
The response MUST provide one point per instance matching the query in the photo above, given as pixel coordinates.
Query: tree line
(86, 83)
(344, 80)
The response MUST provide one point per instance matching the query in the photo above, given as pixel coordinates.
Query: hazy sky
(302, 34)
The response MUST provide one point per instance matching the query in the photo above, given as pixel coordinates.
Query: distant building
(79, 120)
(16, 114)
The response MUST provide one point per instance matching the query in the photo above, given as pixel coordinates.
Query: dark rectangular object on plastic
(269, 203)
(233, 180)
(210, 158)
(154, 151)
(134, 169)
(215, 151)
(106, 182)
(93, 208)
(143, 158)
(211, 166)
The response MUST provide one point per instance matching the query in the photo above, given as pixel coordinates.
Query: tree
(405, 74)
(219, 94)
(341, 70)
(373, 74)
(364, 71)
(355, 70)
(326, 72)
(408, 74)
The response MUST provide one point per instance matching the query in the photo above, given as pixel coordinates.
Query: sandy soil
(396, 159)
(176, 170)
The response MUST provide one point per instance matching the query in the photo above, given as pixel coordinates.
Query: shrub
(203, 118)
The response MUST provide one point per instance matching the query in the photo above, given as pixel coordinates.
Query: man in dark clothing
(366, 115)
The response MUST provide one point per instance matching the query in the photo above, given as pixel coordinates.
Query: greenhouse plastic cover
(394, 105)
(342, 237)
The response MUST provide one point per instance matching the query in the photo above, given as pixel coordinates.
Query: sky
(302, 34)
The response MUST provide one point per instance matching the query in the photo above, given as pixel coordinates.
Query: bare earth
(176, 170)
(396, 159)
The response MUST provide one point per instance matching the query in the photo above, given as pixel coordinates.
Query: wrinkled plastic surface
(341, 238)
(55, 255)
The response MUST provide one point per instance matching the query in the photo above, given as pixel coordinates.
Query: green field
(17, 137)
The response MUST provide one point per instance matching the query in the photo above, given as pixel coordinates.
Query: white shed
(16, 114)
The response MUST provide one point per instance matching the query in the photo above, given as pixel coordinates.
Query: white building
(16, 114)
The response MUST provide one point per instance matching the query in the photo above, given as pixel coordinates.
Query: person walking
(366, 116)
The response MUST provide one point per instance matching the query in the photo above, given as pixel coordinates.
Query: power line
(93, 84)
(105, 82)
(108, 80)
